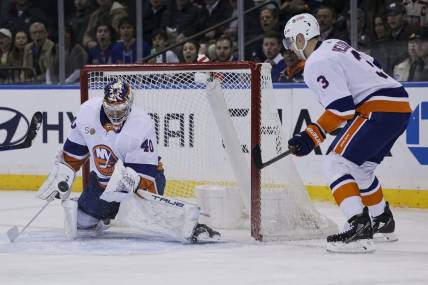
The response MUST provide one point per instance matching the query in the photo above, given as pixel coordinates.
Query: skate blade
(359, 246)
(385, 237)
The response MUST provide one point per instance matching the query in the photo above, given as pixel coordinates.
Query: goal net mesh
(198, 154)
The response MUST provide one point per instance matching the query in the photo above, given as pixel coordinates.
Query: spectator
(160, 42)
(5, 45)
(116, 15)
(419, 71)
(269, 22)
(250, 21)
(215, 12)
(381, 47)
(326, 17)
(75, 58)
(371, 8)
(124, 51)
(364, 39)
(417, 12)
(16, 56)
(102, 14)
(402, 70)
(396, 18)
(152, 16)
(224, 49)
(101, 52)
(272, 45)
(190, 52)
(182, 18)
(294, 68)
(381, 29)
(38, 52)
(289, 8)
(391, 52)
(79, 21)
(21, 14)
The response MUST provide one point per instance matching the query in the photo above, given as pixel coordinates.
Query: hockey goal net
(211, 119)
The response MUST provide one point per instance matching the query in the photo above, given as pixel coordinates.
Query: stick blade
(37, 117)
(13, 233)
(35, 123)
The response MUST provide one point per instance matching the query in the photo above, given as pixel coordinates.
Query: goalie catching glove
(122, 183)
(304, 142)
(58, 184)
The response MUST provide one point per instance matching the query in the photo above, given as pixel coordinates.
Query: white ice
(120, 256)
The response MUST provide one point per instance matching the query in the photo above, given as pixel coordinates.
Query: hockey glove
(122, 183)
(59, 182)
(303, 143)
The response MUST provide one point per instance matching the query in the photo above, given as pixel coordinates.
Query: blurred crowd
(104, 32)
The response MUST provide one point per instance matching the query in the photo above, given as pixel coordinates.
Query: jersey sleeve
(75, 150)
(327, 80)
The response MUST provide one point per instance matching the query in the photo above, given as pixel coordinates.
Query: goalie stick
(257, 157)
(13, 233)
(35, 123)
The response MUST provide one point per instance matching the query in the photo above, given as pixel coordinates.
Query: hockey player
(374, 109)
(120, 144)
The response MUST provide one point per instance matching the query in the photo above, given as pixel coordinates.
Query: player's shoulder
(89, 109)
(139, 121)
(326, 51)
(323, 57)
(91, 104)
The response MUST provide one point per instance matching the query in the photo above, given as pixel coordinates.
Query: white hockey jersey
(91, 135)
(347, 81)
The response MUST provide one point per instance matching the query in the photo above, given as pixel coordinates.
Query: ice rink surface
(121, 256)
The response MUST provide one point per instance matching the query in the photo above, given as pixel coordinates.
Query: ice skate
(203, 233)
(384, 226)
(357, 239)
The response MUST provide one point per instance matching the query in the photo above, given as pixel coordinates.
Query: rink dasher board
(402, 175)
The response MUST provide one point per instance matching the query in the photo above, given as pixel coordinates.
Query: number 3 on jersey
(147, 146)
(378, 72)
(324, 82)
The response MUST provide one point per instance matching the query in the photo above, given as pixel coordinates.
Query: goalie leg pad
(159, 215)
(85, 221)
(70, 218)
(76, 221)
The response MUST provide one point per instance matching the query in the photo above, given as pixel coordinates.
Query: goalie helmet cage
(195, 136)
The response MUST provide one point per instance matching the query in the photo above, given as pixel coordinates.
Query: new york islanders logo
(104, 159)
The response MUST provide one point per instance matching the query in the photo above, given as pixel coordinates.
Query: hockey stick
(13, 233)
(257, 157)
(35, 123)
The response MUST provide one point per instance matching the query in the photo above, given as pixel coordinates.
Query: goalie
(125, 170)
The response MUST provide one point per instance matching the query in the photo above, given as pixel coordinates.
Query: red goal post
(197, 148)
